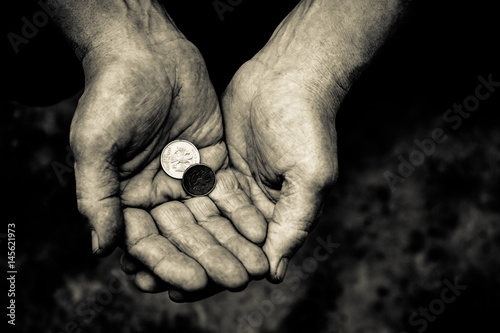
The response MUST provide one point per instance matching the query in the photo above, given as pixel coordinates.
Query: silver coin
(199, 179)
(177, 156)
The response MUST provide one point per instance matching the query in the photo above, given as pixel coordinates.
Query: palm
(142, 106)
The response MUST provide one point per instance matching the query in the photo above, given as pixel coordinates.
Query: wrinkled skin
(279, 115)
(280, 107)
(134, 103)
(280, 131)
(290, 163)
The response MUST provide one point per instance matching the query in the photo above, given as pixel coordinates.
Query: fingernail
(282, 267)
(95, 241)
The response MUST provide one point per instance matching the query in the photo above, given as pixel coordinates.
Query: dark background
(396, 247)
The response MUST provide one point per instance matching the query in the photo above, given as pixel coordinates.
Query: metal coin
(177, 156)
(198, 179)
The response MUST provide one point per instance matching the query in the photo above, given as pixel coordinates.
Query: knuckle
(226, 182)
(202, 208)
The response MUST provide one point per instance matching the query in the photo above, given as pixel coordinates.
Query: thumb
(294, 217)
(97, 192)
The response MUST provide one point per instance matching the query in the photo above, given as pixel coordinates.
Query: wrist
(114, 27)
(328, 42)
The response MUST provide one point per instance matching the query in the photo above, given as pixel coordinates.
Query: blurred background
(422, 255)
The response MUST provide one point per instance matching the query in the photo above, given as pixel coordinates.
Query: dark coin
(198, 179)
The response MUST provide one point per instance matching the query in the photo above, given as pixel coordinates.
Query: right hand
(280, 108)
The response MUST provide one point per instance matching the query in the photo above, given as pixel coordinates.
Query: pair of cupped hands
(271, 141)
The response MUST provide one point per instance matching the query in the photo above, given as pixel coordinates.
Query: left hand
(142, 90)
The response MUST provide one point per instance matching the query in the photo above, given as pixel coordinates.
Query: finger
(129, 265)
(208, 216)
(258, 197)
(144, 279)
(180, 296)
(158, 254)
(214, 156)
(237, 207)
(147, 282)
(97, 192)
(293, 218)
(176, 223)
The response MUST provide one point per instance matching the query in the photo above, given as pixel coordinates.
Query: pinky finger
(147, 282)
(129, 265)
(144, 279)
(179, 296)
